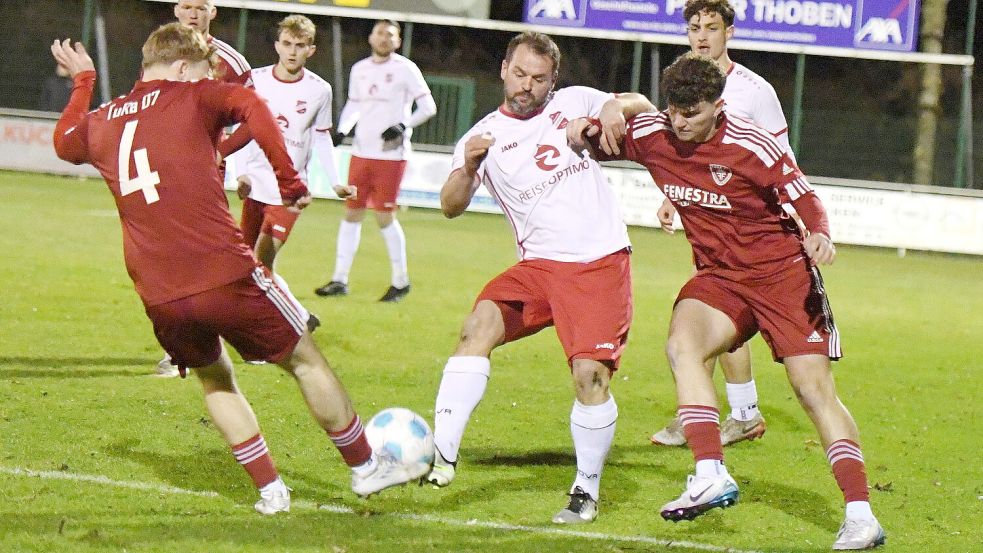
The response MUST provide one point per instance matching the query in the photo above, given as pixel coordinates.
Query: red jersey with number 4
(155, 147)
(728, 192)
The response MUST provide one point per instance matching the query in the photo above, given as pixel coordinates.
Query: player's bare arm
(667, 215)
(245, 186)
(820, 249)
(456, 194)
(613, 119)
(72, 57)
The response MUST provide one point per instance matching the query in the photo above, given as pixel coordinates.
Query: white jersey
(302, 108)
(748, 96)
(381, 95)
(559, 204)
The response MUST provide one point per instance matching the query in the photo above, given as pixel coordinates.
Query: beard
(531, 105)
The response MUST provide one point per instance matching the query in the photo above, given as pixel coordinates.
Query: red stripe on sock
(253, 455)
(702, 431)
(351, 442)
(850, 473)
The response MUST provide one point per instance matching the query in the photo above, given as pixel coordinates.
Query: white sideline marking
(343, 510)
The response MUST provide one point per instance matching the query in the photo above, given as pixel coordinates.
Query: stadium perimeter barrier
(860, 212)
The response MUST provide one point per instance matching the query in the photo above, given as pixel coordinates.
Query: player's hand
(667, 216)
(475, 151)
(613, 125)
(393, 132)
(299, 204)
(820, 249)
(244, 188)
(350, 192)
(337, 137)
(73, 58)
(577, 132)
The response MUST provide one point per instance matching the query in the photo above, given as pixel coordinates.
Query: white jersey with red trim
(302, 108)
(381, 95)
(559, 204)
(232, 66)
(748, 96)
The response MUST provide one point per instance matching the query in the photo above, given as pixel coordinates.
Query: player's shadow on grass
(71, 367)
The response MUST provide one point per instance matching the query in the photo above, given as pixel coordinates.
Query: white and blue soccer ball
(405, 436)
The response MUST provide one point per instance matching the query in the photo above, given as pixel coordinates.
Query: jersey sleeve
(233, 103)
(416, 85)
(768, 115)
(792, 187)
(71, 131)
(592, 99)
(323, 120)
(457, 160)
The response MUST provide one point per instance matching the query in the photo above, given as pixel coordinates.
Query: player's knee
(591, 378)
(483, 329)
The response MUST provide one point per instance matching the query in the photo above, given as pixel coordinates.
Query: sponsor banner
(463, 8)
(862, 216)
(863, 24)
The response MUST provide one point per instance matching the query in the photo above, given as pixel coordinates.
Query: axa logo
(553, 9)
(547, 157)
(881, 30)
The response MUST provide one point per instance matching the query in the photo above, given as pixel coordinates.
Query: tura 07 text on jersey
(132, 107)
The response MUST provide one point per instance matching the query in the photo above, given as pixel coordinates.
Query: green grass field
(124, 461)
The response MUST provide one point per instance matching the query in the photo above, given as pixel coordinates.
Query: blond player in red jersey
(198, 281)
(755, 272)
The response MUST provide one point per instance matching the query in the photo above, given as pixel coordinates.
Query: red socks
(849, 469)
(352, 444)
(253, 455)
(701, 426)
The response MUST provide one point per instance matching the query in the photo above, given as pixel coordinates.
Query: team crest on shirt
(389, 77)
(283, 122)
(547, 157)
(720, 173)
(301, 106)
(559, 120)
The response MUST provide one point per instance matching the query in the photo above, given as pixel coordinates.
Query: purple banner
(866, 24)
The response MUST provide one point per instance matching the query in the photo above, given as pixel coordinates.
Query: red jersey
(155, 147)
(232, 67)
(728, 192)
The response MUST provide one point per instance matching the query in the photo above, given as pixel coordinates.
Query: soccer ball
(404, 435)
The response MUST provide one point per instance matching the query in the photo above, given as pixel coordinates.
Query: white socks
(859, 510)
(710, 468)
(396, 246)
(282, 284)
(461, 388)
(349, 235)
(592, 427)
(743, 400)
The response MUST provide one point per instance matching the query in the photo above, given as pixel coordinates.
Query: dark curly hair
(691, 79)
(722, 7)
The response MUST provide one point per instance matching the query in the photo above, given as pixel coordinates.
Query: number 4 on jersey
(146, 180)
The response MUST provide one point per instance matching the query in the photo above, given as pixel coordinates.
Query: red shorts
(589, 303)
(251, 313)
(377, 181)
(258, 217)
(792, 314)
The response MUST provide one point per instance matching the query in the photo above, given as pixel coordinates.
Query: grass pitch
(122, 460)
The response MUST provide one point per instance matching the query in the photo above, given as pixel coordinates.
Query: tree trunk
(932, 27)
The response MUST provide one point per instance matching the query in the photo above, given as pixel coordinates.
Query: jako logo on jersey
(508, 147)
(720, 173)
(547, 157)
(283, 122)
(605, 345)
(685, 195)
(559, 120)
(882, 30)
(301, 106)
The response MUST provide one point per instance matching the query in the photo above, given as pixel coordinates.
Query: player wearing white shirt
(301, 103)
(381, 90)
(710, 24)
(574, 271)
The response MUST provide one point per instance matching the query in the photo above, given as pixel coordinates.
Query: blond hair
(298, 26)
(173, 42)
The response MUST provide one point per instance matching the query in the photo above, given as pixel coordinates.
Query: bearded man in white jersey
(574, 271)
(710, 24)
(381, 90)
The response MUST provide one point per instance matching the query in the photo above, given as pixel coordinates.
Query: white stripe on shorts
(280, 300)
